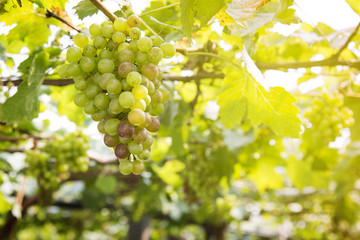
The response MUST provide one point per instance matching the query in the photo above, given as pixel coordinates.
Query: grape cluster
(119, 85)
(52, 163)
(328, 116)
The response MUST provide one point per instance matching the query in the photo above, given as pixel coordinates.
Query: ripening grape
(119, 85)
(81, 40)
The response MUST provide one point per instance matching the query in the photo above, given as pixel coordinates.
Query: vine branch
(343, 47)
(50, 13)
(102, 8)
(159, 9)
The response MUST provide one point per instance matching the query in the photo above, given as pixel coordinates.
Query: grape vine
(119, 85)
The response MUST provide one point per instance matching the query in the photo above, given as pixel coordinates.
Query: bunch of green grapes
(328, 116)
(53, 162)
(201, 182)
(119, 85)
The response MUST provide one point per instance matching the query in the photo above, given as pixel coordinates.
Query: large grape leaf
(265, 170)
(355, 5)
(31, 29)
(85, 8)
(24, 105)
(50, 3)
(205, 11)
(187, 16)
(202, 9)
(274, 107)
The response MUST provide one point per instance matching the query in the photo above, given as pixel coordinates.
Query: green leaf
(85, 8)
(64, 97)
(24, 105)
(355, 5)
(50, 3)
(4, 205)
(205, 11)
(187, 16)
(169, 172)
(106, 184)
(265, 176)
(274, 108)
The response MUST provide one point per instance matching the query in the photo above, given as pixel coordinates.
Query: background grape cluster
(119, 85)
(52, 162)
(328, 116)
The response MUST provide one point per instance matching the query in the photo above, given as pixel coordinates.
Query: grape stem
(102, 8)
(160, 8)
(215, 56)
(50, 13)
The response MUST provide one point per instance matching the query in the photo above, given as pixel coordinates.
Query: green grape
(138, 167)
(80, 83)
(140, 92)
(115, 107)
(165, 94)
(106, 66)
(144, 44)
(92, 90)
(111, 45)
(144, 81)
(101, 126)
(155, 55)
(99, 115)
(125, 85)
(118, 37)
(147, 142)
(151, 88)
(113, 86)
(80, 99)
(136, 117)
(156, 40)
(90, 107)
(101, 101)
(73, 69)
(134, 33)
(135, 148)
(157, 97)
(111, 126)
(126, 99)
(133, 21)
(157, 109)
(62, 70)
(123, 46)
(147, 99)
(81, 40)
(73, 54)
(126, 56)
(168, 50)
(133, 46)
(120, 24)
(107, 30)
(104, 79)
(125, 166)
(133, 78)
(99, 42)
(144, 155)
(105, 53)
(95, 29)
(139, 104)
(89, 51)
(87, 64)
(141, 58)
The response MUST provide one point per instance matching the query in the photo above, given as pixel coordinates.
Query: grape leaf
(187, 16)
(264, 171)
(85, 8)
(169, 172)
(205, 11)
(50, 3)
(274, 107)
(24, 105)
(106, 184)
(355, 5)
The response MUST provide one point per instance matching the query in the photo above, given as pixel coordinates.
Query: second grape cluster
(119, 85)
